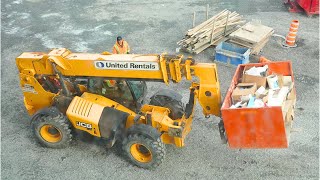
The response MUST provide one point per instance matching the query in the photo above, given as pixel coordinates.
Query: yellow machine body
(87, 108)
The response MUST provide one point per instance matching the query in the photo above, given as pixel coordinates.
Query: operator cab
(130, 94)
(127, 93)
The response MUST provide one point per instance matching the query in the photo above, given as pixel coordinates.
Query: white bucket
(273, 82)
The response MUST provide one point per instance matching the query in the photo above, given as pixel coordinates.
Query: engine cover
(95, 118)
(85, 115)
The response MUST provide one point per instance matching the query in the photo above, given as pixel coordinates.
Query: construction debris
(246, 95)
(252, 35)
(210, 32)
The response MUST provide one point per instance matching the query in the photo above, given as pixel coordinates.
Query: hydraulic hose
(65, 91)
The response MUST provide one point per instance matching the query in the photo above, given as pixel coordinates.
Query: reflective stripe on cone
(291, 37)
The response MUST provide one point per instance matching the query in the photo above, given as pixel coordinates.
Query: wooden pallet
(253, 36)
(210, 32)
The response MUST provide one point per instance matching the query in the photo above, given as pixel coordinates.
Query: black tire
(176, 107)
(144, 151)
(52, 131)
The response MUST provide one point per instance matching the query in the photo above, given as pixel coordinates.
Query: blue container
(232, 54)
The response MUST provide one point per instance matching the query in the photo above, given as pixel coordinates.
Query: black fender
(171, 100)
(168, 93)
(112, 122)
(51, 111)
(145, 130)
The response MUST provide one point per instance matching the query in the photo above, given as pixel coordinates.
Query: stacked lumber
(210, 32)
(252, 35)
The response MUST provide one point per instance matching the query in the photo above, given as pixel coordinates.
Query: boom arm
(129, 66)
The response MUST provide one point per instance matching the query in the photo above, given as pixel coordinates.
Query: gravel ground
(152, 27)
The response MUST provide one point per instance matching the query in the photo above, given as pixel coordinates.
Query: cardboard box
(286, 80)
(290, 115)
(261, 92)
(290, 102)
(243, 89)
(259, 80)
(292, 96)
(277, 97)
(286, 106)
(287, 110)
(264, 98)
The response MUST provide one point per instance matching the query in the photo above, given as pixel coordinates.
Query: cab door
(116, 90)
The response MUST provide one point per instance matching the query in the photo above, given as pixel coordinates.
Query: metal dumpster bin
(265, 127)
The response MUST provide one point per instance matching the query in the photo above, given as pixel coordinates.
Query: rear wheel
(52, 131)
(144, 151)
(175, 106)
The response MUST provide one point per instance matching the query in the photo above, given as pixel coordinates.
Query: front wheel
(143, 151)
(52, 130)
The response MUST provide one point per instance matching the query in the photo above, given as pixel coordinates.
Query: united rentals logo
(147, 66)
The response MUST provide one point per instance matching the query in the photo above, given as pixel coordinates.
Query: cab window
(137, 88)
(116, 90)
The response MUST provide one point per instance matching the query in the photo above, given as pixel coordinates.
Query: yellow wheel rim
(50, 133)
(140, 153)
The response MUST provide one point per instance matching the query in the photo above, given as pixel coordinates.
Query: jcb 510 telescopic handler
(104, 95)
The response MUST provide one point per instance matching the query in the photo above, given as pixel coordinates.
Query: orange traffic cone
(291, 37)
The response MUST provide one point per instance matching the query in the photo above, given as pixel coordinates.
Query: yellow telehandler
(104, 95)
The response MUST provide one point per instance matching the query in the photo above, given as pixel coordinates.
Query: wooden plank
(202, 48)
(208, 26)
(218, 41)
(194, 19)
(217, 29)
(215, 37)
(199, 44)
(242, 43)
(195, 40)
(218, 32)
(258, 47)
(222, 13)
(255, 49)
(259, 33)
(191, 31)
(189, 40)
(207, 12)
(226, 24)
(215, 41)
(248, 44)
(221, 20)
(205, 46)
(229, 24)
(212, 32)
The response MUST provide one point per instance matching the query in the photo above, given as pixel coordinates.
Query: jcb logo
(85, 125)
